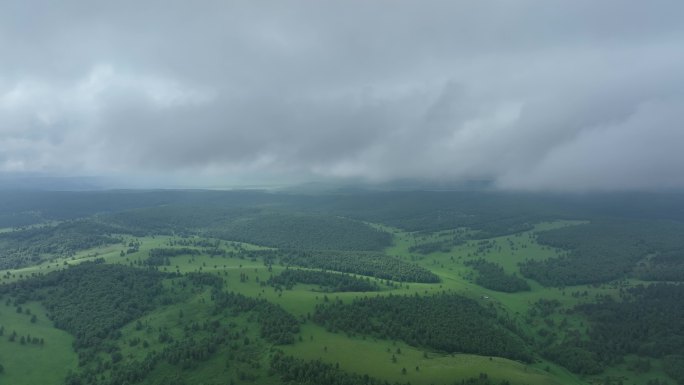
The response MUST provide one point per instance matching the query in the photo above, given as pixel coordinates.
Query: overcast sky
(560, 95)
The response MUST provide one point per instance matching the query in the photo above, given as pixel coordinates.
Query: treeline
(440, 246)
(492, 276)
(180, 220)
(276, 325)
(488, 214)
(369, 264)
(648, 322)
(91, 300)
(172, 252)
(36, 244)
(674, 367)
(193, 339)
(574, 356)
(500, 213)
(430, 247)
(602, 251)
(69, 205)
(305, 232)
(196, 242)
(327, 281)
(161, 256)
(282, 228)
(18, 220)
(668, 266)
(22, 340)
(297, 371)
(444, 322)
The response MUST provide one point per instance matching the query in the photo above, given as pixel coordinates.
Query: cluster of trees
(195, 339)
(91, 300)
(161, 256)
(543, 307)
(488, 214)
(180, 220)
(648, 322)
(331, 282)
(430, 247)
(492, 276)
(203, 279)
(673, 365)
(23, 340)
(442, 246)
(36, 244)
(17, 220)
(297, 371)
(276, 325)
(283, 228)
(68, 205)
(196, 242)
(574, 357)
(445, 322)
(370, 264)
(198, 342)
(668, 266)
(602, 250)
(288, 230)
(212, 247)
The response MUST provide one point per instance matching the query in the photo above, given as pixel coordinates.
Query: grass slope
(30, 364)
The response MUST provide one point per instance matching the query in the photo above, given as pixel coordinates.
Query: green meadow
(46, 362)
(49, 363)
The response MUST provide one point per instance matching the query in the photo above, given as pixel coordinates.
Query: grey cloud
(530, 94)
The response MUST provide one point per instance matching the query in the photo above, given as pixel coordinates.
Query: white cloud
(530, 94)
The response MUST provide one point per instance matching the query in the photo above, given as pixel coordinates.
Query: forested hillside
(448, 323)
(604, 250)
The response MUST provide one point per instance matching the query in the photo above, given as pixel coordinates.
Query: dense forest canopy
(606, 249)
(442, 322)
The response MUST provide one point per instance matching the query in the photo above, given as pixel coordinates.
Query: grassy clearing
(374, 357)
(622, 372)
(111, 254)
(31, 364)
(197, 307)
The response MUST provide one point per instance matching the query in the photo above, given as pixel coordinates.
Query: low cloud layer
(560, 95)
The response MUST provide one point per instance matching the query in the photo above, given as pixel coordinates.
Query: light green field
(374, 357)
(45, 364)
(355, 354)
(196, 307)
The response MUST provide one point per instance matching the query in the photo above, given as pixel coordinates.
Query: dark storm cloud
(531, 94)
